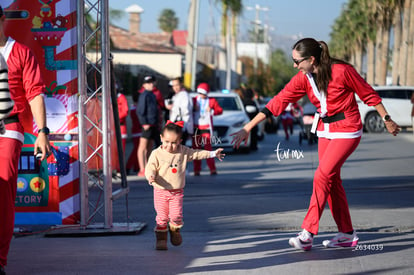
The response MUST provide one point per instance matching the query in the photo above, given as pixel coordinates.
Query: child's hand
(151, 179)
(219, 154)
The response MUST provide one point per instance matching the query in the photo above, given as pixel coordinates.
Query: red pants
(169, 207)
(327, 185)
(132, 162)
(9, 158)
(287, 126)
(200, 140)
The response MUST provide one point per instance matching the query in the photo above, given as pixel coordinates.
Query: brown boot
(175, 235)
(161, 240)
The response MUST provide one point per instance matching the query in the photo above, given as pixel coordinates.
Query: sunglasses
(298, 61)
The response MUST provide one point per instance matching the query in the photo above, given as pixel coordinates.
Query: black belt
(11, 119)
(330, 119)
(203, 131)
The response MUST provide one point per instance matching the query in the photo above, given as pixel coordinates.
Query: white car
(396, 100)
(232, 119)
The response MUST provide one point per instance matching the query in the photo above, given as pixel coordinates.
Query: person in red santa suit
(204, 109)
(26, 90)
(287, 121)
(132, 163)
(123, 113)
(331, 85)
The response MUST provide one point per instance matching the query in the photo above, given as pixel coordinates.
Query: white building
(260, 50)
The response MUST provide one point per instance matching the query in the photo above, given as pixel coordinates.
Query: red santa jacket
(340, 98)
(25, 83)
(123, 113)
(122, 108)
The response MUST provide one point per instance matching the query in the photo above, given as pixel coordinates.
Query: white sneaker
(303, 241)
(342, 240)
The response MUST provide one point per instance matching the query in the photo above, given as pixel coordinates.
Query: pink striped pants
(169, 207)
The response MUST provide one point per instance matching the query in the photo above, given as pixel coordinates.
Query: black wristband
(44, 130)
(266, 112)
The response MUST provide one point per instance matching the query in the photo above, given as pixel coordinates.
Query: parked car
(396, 100)
(272, 123)
(232, 119)
(253, 110)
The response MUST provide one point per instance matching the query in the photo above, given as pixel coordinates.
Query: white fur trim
(201, 91)
(14, 135)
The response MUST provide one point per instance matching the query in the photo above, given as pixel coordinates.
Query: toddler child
(165, 171)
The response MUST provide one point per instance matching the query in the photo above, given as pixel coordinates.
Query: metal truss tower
(94, 85)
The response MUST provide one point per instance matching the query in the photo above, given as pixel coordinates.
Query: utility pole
(228, 55)
(195, 47)
(191, 47)
(257, 22)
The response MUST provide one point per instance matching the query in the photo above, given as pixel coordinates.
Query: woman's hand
(392, 127)
(239, 137)
(243, 134)
(42, 146)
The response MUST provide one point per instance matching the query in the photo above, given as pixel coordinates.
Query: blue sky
(310, 18)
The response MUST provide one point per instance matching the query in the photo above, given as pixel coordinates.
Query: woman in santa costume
(204, 109)
(331, 85)
(26, 90)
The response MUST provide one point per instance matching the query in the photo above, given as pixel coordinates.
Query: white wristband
(212, 154)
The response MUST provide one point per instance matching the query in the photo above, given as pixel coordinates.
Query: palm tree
(404, 43)
(340, 33)
(410, 57)
(397, 27)
(235, 9)
(349, 34)
(356, 20)
(168, 21)
(385, 10)
(92, 25)
(369, 7)
(370, 23)
(223, 61)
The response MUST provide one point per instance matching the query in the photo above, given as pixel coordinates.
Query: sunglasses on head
(298, 61)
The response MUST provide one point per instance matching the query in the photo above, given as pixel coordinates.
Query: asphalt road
(239, 221)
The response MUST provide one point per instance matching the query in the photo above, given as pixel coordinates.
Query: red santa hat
(203, 88)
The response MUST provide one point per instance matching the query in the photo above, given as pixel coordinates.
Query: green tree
(281, 70)
(168, 21)
(93, 27)
(271, 78)
(365, 27)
